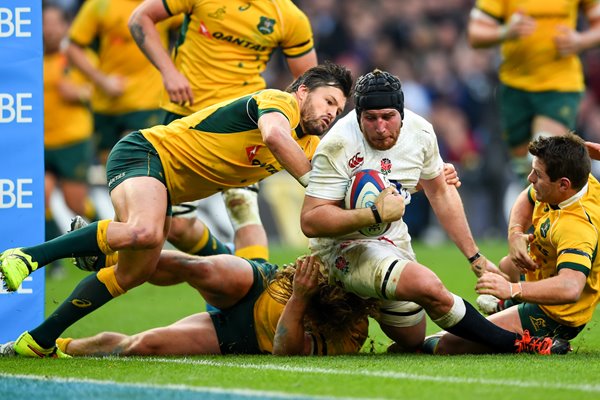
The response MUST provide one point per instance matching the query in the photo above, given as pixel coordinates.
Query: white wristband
(304, 179)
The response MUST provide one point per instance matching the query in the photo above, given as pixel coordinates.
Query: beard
(311, 124)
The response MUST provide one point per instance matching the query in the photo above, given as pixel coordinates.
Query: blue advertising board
(21, 155)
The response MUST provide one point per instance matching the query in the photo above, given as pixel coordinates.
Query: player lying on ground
(290, 311)
(561, 290)
(146, 175)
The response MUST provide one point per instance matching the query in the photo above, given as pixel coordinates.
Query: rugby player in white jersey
(380, 134)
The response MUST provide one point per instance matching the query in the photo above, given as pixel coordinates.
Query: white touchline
(383, 374)
(593, 388)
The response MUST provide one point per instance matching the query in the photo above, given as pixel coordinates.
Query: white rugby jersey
(344, 150)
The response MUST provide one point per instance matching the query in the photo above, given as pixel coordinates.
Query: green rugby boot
(15, 266)
(26, 346)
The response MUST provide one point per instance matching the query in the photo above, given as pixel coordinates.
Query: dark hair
(327, 74)
(377, 90)
(332, 311)
(564, 156)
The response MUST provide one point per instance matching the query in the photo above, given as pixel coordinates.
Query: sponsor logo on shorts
(538, 323)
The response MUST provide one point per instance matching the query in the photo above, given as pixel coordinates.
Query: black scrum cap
(377, 90)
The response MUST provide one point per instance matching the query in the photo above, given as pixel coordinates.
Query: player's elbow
(571, 294)
(308, 228)
(135, 23)
(572, 287)
(134, 20)
(274, 140)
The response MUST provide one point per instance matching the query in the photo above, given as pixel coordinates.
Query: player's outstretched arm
(275, 130)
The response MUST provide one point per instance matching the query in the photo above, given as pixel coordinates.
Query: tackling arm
(564, 288)
(518, 240)
(275, 130)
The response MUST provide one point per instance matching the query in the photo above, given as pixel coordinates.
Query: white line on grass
(594, 388)
(261, 394)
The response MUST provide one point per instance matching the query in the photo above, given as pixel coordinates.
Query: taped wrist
(242, 207)
(304, 179)
(478, 263)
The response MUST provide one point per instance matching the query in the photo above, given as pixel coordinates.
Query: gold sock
(101, 236)
(251, 252)
(109, 279)
(63, 343)
(201, 243)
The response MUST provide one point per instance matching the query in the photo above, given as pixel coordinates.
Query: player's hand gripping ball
(365, 186)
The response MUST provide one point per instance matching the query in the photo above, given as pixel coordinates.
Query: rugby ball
(365, 186)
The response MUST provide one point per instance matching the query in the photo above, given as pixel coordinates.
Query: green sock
(81, 242)
(89, 295)
(52, 230)
(213, 246)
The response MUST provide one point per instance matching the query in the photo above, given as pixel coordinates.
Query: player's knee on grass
(154, 342)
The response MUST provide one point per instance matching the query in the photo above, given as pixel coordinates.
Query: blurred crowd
(452, 85)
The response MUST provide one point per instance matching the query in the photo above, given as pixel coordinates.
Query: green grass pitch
(366, 375)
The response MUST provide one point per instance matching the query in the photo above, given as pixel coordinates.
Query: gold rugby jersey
(65, 122)
(267, 312)
(566, 236)
(532, 63)
(103, 24)
(221, 146)
(225, 46)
